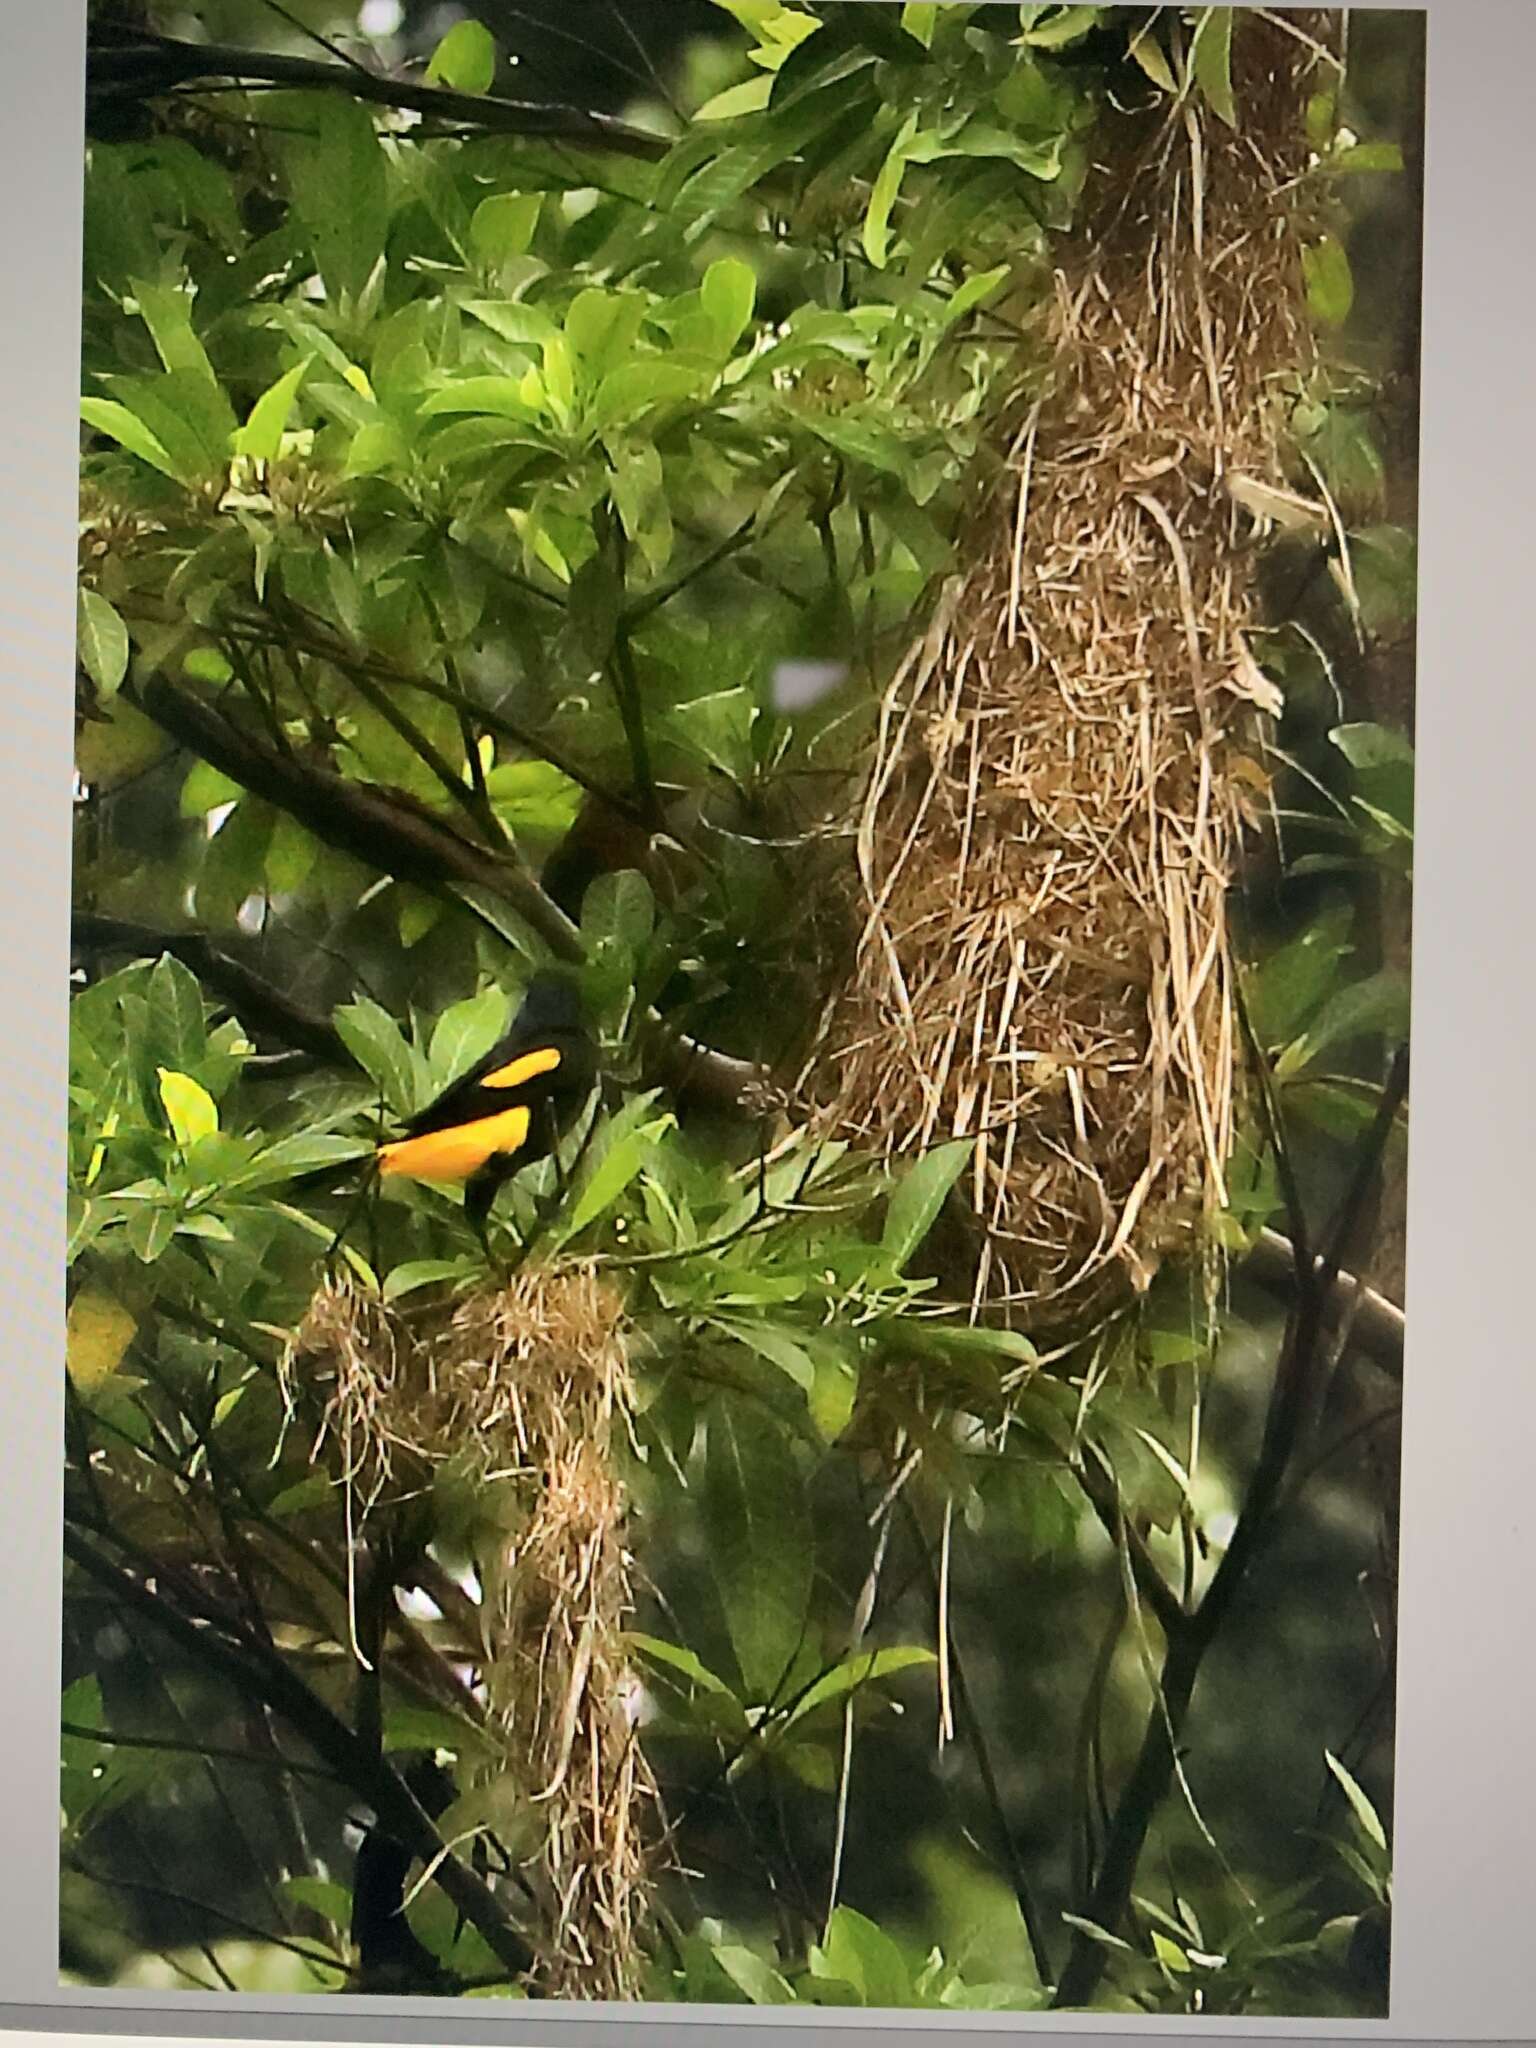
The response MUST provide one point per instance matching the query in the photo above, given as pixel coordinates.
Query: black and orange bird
(509, 1110)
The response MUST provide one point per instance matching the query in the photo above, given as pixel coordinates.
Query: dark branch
(127, 66)
(257, 1004)
(385, 828)
(1379, 1325)
(257, 1673)
(1305, 1355)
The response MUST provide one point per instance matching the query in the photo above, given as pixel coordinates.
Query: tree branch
(1379, 1325)
(256, 1673)
(1304, 1353)
(387, 829)
(130, 65)
(257, 1003)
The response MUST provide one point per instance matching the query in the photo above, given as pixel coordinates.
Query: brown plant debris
(1061, 775)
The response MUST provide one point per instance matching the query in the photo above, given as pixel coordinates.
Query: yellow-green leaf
(98, 1332)
(877, 221)
(190, 1108)
(503, 225)
(129, 431)
(1330, 281)
(748, 98)
(465, 59)
(262, 435)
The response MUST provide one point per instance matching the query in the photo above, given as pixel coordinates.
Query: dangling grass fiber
(1065, 760)
(520, 1397)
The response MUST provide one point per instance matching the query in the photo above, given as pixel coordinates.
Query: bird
(509, 1110)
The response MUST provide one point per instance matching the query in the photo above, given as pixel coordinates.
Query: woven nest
(525, 1395)
(1054, 811)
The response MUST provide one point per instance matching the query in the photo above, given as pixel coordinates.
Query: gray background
(1465, 1822)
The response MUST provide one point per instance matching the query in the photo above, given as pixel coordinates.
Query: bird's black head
(551, 1008)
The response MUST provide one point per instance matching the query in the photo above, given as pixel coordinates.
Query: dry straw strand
(1050, 825)
(526, 1394)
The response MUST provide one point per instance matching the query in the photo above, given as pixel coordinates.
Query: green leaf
(342, 156)
(501, 397)
(103, 642)
(207, 665)
(1330, 282)
(920, 18)
(1372, 746)
(303, 1152)
(464, 1033)
(167, 313)
(1290, 984)
(261, 436)
(534, 797)
(418, 1728)
(332, 1902)
(373, 1038)
(832, 1394)
(503, 225)
(177, 1025)
(312, 1492)
(291, 856)
(864, 1955)
(417, 1273)
(619, 911)
(760, 1542)
(729, 293)
(861, 1668)
(1169, 1953)
(465, 59)
(614, 1172)
(1364, 1812)
(924, 1188)
(754, 1978)
(634, 389)
(206, 789)
(979, 286)
(376, 448)
(776, 1345)
(1145, 50)
(679, 1659)
(1096, 1933)
(191, 1109)
(596, 600)
(1363, 156)
(1378, 1005)
(1212, 55)
(963, 1345)
(108, 417)
(750, 97)
(190, 418)
(497, 915)
(1060, 27)
(527, 326)
(882, 199)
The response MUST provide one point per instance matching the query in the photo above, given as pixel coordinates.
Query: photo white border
(1465, 1819)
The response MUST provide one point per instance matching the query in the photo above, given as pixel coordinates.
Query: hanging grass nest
(519, 1400)
(1063, 768)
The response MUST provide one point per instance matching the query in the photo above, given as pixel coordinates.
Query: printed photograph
(743, 848)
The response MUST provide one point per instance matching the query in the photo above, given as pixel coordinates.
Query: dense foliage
(456, 503)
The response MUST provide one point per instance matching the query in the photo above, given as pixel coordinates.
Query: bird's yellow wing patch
(455, 1154)
(527, 1068)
